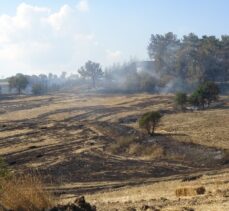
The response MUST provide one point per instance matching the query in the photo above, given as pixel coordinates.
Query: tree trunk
(153, 129)
(203, 106)
(93, 82)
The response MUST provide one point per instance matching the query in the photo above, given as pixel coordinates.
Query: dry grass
(6, 134)
(146, 151)
(24, 193)
(65, 139)
(121, 144)
(154, 194)
(209, 127)
(20, 146)
(129, 145)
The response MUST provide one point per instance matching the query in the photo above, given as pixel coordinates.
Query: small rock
(79, 205)
(131, 209)
(149, 208)
(187, 209)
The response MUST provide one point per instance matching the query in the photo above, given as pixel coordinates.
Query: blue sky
(55, 35)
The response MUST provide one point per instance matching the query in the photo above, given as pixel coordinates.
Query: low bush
(4, 171)
(149, 121)
(205, 94)
(122, 144)
(180, 100)
(149, 150)
(132, 146)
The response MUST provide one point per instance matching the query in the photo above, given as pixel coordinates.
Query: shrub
(147, 82)
(211, 92)
(149, 121)
(4, 171)
(135, 148)
(154, 151)
(150, 151)
(129, 145)
(121, 144)
(181, 100)
(206, 93)
(196, 99)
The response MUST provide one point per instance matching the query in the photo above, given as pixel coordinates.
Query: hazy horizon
(50, 36)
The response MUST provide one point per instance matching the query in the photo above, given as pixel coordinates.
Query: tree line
(193, 59)
(176, 64)
(40, 84)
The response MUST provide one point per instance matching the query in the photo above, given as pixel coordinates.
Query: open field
(160, 195)
(71, 140)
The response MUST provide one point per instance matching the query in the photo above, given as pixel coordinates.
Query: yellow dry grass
(145, 152)
(26, 145)
(190, 191)
(69, 102)
(6, 134)
(24, 193)
(166, 189)
(64, 115)
(209, 127)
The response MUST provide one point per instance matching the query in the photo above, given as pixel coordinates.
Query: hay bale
(190, 191)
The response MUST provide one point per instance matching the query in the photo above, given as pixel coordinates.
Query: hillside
(88, 143)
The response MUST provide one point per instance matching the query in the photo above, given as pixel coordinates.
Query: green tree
(188, 63)
(18, 82)
(192, 59)
(209, 55)
(205, 93)
(149, 121)
(147, 82)
(181, 100)
(39, 89)
(224, 58)
(91, 70)
(197, 98)
(162, 49)
(211, 92)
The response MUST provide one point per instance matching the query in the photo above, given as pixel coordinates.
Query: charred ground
(68, 139)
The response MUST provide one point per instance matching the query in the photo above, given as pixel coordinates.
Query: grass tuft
(24, 193)
(129, 145)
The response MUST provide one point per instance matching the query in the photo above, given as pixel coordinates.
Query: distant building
(4, 87)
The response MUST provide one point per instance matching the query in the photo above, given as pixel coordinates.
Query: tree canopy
(191, 58)
(205, 93)
(18, 82)
(91, 70)
(181, 100)
(149, 121)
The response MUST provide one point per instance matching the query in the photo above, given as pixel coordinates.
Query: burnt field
(69, 139)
